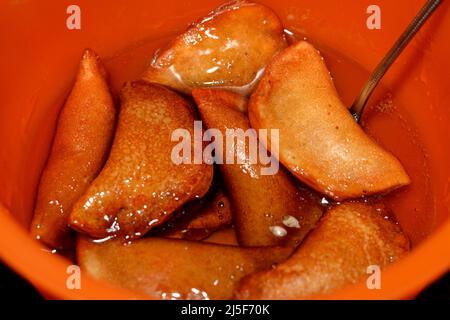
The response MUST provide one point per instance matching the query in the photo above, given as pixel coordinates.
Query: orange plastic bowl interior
(39, 58)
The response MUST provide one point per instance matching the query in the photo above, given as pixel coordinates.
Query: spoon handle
(360, 102)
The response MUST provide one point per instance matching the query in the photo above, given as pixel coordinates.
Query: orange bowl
(38, 64)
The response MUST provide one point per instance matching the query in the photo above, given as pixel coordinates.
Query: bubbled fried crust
(81, 144)
(228, 48)
(320, 143)
(140, 186)
(260, 202)
(350, 238)
(160, 267)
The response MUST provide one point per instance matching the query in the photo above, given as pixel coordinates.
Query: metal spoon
(360, 102)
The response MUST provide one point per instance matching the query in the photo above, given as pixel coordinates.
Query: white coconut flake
(278, 231)
(291, 222)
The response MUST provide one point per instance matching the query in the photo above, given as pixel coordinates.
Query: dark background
(13, 287)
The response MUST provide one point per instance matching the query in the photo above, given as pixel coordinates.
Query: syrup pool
(385, 119)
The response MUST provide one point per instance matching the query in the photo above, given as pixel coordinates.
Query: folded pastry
(141, 186)
(174, 269)
(320, 142)
(228, 48)
(349, 239)
(80, 147)
(267, 209)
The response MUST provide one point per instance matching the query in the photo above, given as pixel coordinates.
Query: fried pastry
(80, 147)
(267, 209)
(349, 238)
(174, 269)
(228, 48)
(200, 218)
(224, 236)
(320, 142)
(141, 186)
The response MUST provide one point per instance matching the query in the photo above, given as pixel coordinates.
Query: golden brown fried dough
(140, 186)
(320, 142)
(215, 215)
(267, 209)
(228, 48)
(83, 136)
(174, 269)
(200, 218)
(224, 236)
(349, 238)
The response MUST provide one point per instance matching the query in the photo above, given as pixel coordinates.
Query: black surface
(13, 287)
(438, 291)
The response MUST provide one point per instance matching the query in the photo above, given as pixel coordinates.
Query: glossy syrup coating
(349, 238)
(141, 186)
(216, 214)
(228, 48)
(80, 147)
(174, 269)
(199, 218)
(320, 142)
(267, 209)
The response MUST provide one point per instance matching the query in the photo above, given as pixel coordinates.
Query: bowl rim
(403, 280)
